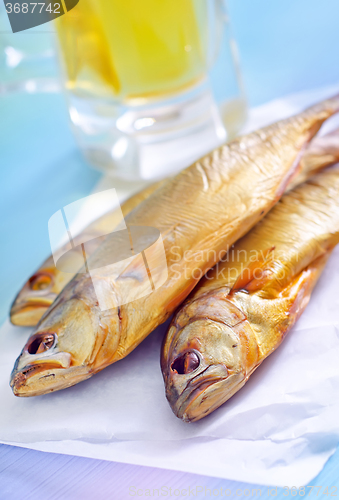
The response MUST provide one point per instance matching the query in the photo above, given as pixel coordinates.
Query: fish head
(34, 299)
(59, 353)
(205, 359)
(38, 293)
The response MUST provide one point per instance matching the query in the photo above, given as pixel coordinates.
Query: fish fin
(256, 274)
(282, 312)
(307, 279)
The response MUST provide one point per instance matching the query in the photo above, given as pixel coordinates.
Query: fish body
(199, 213)
(42, 288)
(242, 310)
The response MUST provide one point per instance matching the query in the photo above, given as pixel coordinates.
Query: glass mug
(151, 84)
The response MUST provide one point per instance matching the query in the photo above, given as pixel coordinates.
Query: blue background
(285, 46)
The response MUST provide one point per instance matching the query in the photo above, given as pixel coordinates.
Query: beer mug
(151, 84)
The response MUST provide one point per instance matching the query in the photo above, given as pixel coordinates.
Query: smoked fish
(242, 309)
(43, 287)
(102, 315)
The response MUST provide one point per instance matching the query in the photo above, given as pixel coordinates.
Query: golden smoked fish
(243, 308)
(42, 288)
(102, 315)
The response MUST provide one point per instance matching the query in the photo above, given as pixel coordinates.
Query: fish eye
(185, 363)
(40, 281)
(40, 342)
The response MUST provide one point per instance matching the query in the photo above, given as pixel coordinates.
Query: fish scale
(32, 301)
(230, 209)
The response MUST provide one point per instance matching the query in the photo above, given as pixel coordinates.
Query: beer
(134, 49)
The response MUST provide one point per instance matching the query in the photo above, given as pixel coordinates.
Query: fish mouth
(39, 359)
(183, 406)
(38, 379)
(203, 395)
(192, 389)
(30, 310)
(19, 378)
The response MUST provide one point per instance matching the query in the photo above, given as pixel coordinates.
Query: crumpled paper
(280, 429)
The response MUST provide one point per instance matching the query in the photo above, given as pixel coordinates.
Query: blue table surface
(285, 47)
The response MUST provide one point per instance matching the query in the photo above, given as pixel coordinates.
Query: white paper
(279, 429)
